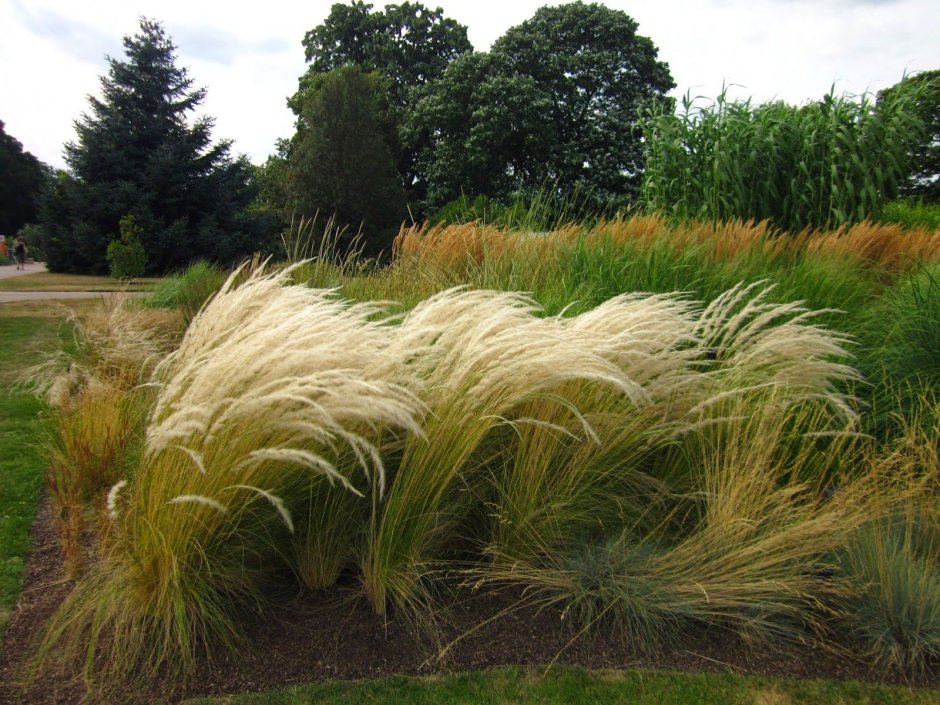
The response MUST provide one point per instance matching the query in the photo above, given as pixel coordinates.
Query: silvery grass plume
(751, 345)
(556, 484)
(490, 367)
(273, 389)
(117, 342)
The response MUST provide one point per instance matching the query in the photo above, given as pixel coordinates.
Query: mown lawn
(576, 685)
(48, 281)
(23, 330)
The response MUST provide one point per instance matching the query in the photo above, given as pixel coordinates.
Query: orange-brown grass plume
(884, 244)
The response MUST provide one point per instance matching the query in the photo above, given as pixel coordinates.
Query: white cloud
(250, 56)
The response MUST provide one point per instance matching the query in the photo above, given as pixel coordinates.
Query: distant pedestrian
(19, 253)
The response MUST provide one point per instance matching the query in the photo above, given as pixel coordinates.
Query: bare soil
(318, 636)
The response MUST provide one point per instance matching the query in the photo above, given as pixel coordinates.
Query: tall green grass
(824, 164)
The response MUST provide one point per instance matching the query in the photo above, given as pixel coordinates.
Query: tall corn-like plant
(824, 164)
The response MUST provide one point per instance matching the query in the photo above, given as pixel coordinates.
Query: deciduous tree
(924, 90)
(557, 101)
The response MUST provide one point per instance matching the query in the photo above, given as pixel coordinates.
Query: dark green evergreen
(339, 162)
(22, 178)
(137, 154)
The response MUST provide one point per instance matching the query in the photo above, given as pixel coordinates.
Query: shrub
(126, 257)
(188, 291)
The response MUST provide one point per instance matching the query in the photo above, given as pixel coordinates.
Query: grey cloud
(77, 39)
(218, 46)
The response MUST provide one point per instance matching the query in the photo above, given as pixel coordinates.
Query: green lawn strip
(21, 457)
(577, 685)
(49, 281)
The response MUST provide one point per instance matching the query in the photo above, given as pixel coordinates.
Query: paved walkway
(7, 297)
(7, 271)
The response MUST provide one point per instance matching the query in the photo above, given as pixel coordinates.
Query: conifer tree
(137, 154)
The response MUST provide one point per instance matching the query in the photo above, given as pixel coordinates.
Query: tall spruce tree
(138, 155)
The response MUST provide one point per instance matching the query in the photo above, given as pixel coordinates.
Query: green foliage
(924, 180)
(136, 154)
(897, 613)
(893, 563)
(537, 211)
(912, 214)
(340, 163)
(408, 44)
(188, 291)
(900, 346)
(825, 164)
(556, 100)
(126, 257)
(22, 178)
(35, 237)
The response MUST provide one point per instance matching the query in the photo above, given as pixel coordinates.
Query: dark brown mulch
(312, 639)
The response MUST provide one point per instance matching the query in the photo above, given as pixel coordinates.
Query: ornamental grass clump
(891, 567)
(488, 363)
(708, 508)
(752, 345)
(116, 343)
(96, 414)
(567, 473)
(745, 549)
(91, 442)
(273, 390)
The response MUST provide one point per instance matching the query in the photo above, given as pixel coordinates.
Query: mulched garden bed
(313, 639)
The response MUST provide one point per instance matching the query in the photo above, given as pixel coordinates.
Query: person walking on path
(19, 253)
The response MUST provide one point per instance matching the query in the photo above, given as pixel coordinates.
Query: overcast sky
(249, 55)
